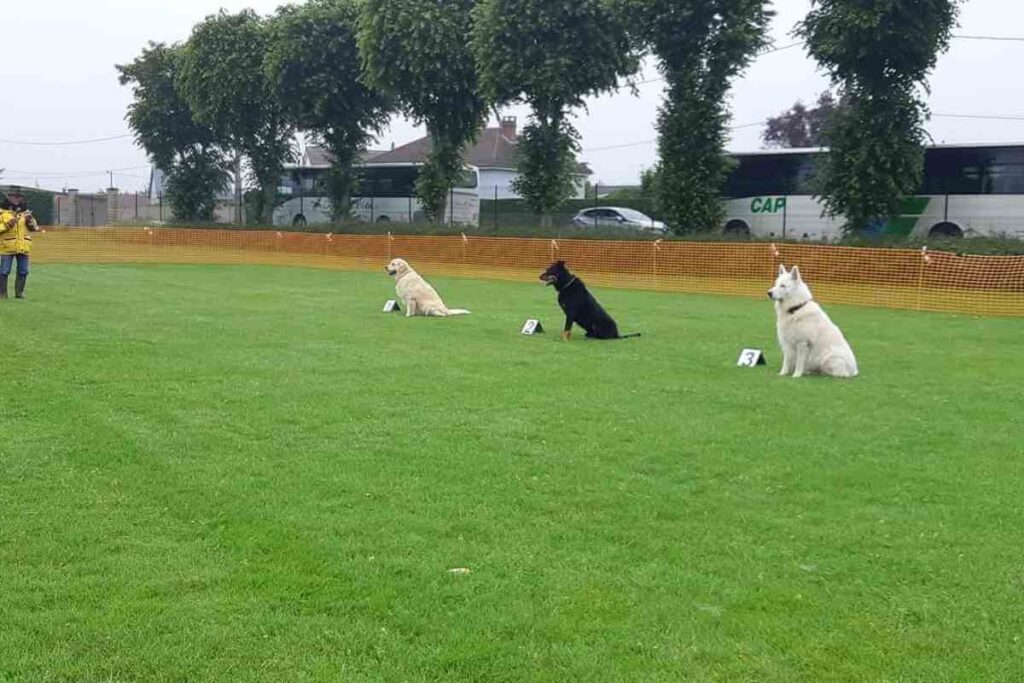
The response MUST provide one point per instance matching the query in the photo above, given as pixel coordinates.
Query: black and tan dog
(580, 306)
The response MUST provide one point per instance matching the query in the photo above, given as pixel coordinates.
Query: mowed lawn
(252, 474)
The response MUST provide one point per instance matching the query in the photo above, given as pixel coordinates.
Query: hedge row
(40, 202)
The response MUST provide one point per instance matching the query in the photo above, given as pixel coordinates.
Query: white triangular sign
(751, 358)
(532, 327)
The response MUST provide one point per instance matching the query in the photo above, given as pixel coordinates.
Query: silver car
(616, 217)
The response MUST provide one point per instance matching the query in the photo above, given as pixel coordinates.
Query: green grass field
(252, 474)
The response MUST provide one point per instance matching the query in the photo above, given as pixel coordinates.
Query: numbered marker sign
(391, 306)
(751, 358)
(532, 327)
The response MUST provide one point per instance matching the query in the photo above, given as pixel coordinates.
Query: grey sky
(61, 85)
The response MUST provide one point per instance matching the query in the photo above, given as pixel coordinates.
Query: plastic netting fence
(910, 279)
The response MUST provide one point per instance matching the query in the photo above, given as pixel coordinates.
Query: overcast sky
(60, 85)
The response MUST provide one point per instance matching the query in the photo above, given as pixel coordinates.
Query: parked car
(616, 217)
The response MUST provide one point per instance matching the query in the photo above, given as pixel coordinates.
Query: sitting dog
(811, 342)
(416, 293)
(579, 305)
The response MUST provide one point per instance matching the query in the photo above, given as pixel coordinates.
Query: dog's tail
(628, 336)
(457, 311)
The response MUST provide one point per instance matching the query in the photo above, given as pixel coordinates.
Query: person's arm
(8, 220)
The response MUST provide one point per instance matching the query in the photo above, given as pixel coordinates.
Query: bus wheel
(299, 220)
(737, 228)
(946, 229)
(383, 219)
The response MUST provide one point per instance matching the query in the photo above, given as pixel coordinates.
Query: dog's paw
(567, 336)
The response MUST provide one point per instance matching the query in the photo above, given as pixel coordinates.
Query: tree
(164, 126)
(550, 55)
(313, 64)
(223, 80)
(416, 51)
(878, 55)
(801, 126)
(701, 45)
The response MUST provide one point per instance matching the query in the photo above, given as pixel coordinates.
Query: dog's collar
(569, 283)
(796, 308)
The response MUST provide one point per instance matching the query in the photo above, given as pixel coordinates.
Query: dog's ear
(782, 269)
(795, 273)
(560, 264)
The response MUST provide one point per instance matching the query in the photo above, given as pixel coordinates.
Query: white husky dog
(811, 342)
(417, 294)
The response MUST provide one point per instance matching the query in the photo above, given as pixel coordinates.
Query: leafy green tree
(701, 45)
(223, 79)
(878, 54)
(314, 66)
(163, 124)
(550, 55)
(801, 126)
(417, 52)
(192, 187)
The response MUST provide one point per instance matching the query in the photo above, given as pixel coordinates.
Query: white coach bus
(387, 194)
(967, 190)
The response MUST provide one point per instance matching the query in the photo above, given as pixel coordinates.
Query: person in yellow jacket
(16, 222)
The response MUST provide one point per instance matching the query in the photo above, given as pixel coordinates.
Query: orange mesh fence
(911, 279)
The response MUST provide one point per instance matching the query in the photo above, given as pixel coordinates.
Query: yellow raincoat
(14, 239)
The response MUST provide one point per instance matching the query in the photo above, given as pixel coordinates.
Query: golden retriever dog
(418, 297)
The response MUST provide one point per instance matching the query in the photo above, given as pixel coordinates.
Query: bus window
(769, 174)
(467, 180)
(806, 171)
(1004, 179)
(951, 171)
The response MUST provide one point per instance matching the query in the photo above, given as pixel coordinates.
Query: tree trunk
(239, 218)
(269, 199)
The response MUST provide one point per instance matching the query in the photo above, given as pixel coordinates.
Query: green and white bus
(386, 195)
(966, 191)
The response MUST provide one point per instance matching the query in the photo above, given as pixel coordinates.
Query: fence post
(451, 206)
(925, 260)
(657, 248)
(495, 207)
(74, 217)
(410, 209)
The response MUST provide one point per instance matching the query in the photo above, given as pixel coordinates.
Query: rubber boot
(3, 286)
(19, 286)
